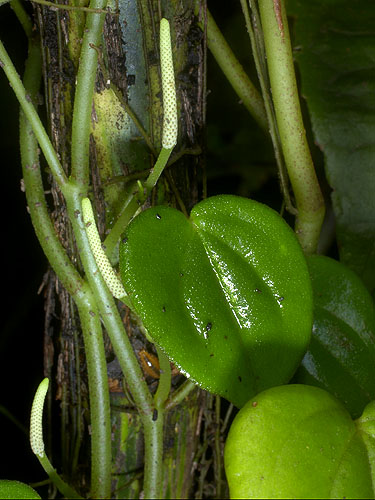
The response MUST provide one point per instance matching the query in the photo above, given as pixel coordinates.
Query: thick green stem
(233, 70)
(99, 400)
(153, 433)
(86, 77)
(257, 45)
(75, 285)
(309, 199)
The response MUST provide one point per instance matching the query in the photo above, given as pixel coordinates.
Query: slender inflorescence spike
(170, 125)
(109, 276)
(36, 419)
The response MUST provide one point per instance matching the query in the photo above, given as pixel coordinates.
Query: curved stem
(309, 199)
(31, 114)
(234, 71)
(61, 485)
(35, 197)
(22, 16)
(75, 285)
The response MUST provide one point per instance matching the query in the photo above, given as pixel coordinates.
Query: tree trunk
(127, 93)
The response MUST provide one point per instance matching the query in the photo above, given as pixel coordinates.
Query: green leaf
(226, 294)
(16, 490)
(336, 45)
(341, 355)
(298, 441)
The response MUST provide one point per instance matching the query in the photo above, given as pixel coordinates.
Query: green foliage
(225, 294)
(16, 490)
(335, 44)
(341, 355)
(298, 441)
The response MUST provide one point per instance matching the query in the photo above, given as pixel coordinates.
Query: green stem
(180, 394)
(158, 168)
(164, 386)
(86, 77)
(257, 46)
(133, 202)
(34, 189)
(31, 114)
(96, 367)
(153, 433)
(309, 199)
(99, 400)
(233, 70)
(61, 485)
(71, 7)
(22, 17)
(124, 352)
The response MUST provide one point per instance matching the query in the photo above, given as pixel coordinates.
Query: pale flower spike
(109, 276)
(36, 419)
(170, 124)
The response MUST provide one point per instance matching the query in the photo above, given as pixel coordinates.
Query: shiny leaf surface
(341, 355)
(298, 441)
(226, 294)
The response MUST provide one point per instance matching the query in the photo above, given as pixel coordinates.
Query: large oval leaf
(298, 441)
(341, 355)
(226, 293)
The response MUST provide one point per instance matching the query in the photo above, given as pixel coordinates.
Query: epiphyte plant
(204, 235)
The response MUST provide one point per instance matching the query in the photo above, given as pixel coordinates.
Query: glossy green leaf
(226, 294)
(16, 490)
(335, 47)
(298, 441)
(341, 355)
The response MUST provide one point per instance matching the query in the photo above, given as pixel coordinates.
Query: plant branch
(257, 45)
(74, 284)
(31, 114)
(60, 6)
(83, 99)
(234, 71)
(309, 199)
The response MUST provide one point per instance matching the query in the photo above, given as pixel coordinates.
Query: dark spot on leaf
(158, 216)
(211, 355)
(208, 327)
(225, 337)
(155, 415)
(240, 378)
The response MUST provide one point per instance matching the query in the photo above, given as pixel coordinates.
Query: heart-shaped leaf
(341, 355)
(226, 294)
(298, 441)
